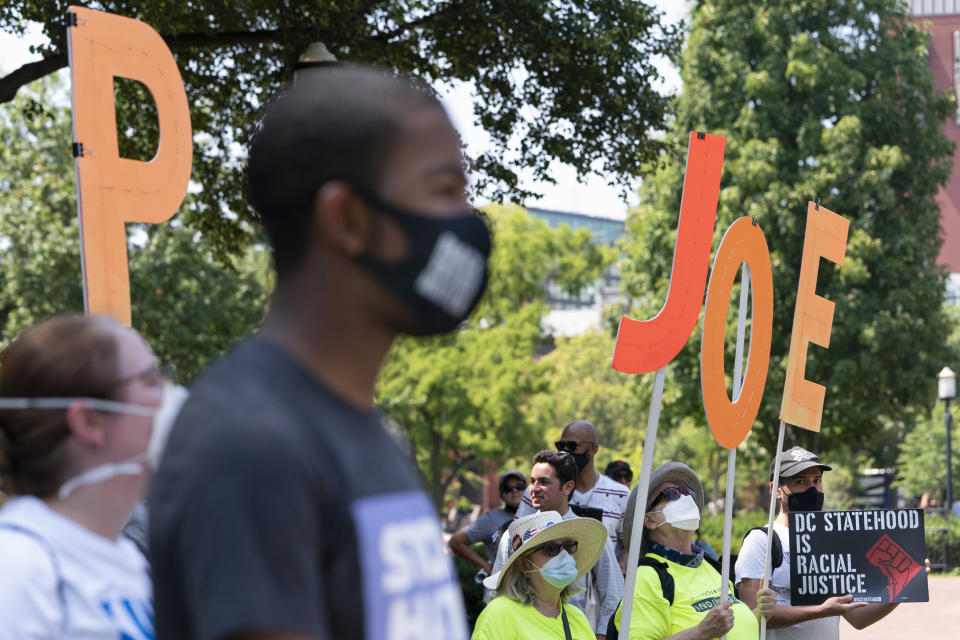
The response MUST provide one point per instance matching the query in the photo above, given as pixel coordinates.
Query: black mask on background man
(809, 500)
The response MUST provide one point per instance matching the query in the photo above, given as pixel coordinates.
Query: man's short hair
(563, 465)
(341, 124)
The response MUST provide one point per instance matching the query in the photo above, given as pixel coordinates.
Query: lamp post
(947, 390)
(317, 56)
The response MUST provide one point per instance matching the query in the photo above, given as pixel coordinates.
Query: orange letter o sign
(729, 421)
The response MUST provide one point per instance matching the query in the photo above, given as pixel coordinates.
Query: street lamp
(947, 390)
(317, 56)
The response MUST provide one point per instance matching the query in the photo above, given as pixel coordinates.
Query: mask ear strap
(131, 467)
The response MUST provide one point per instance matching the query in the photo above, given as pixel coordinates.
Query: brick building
(942, 19)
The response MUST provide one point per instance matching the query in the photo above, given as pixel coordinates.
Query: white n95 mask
(174, 396)
(682, 513)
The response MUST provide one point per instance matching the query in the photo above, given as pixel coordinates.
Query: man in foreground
(283, 508)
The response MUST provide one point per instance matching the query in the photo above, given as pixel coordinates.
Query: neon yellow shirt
(506, 619)
(696, 592)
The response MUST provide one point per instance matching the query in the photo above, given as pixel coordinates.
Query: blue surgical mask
(559, 570)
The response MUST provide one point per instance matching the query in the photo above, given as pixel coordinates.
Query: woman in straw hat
(547, 554)
(677, 592)
(83, 413)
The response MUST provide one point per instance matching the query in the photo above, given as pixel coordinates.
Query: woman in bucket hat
(547, 554)
(676, 589)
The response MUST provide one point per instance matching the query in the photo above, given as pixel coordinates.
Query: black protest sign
(876, 556)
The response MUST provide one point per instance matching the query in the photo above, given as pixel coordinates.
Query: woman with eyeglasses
(84, 411)
(546, 555)
(677, 589)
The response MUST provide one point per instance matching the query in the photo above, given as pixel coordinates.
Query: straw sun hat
(533, 530)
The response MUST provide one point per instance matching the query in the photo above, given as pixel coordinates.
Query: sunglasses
(674, 493)
(569, 446)
(622, 477)
(514, 487)
(553, 548)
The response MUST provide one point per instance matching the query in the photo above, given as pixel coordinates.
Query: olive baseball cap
(797, 459)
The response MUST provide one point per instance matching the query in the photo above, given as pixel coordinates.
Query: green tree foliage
(467, 396)
(583, 385)
(921, 465)
(188, 304)
(568, 81)
(827, 99)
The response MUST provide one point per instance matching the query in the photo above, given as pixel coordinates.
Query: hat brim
(789, 471)
(590, 535)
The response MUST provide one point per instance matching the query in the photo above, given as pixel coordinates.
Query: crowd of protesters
(280, 506)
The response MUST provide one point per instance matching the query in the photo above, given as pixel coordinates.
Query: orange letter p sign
(112, 190)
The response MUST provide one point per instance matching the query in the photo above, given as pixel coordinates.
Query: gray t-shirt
(487, 529)
(279, 507)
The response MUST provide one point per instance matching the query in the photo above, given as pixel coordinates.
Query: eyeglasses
(553, 548)
(569, 446)
(622, 477)
(514, 487)
(674, 493)
(153, 376)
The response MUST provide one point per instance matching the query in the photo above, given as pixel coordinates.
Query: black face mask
(444, 272)
(581, 460)
(809, 500)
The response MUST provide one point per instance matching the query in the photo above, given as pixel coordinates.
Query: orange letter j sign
(646, 346)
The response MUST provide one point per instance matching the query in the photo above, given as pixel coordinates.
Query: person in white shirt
(80, 422)
(800, 489)
(604, 497)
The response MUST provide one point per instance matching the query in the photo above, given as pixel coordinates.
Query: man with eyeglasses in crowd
(488, 527)
(552, 481)
(595, 495)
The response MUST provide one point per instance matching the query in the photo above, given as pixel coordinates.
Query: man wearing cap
(800, 489)
(488, 526)
(552, 480)
(603, 497)
(620, 471)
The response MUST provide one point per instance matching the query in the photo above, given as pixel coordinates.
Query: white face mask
(163, 416)
(682, 513)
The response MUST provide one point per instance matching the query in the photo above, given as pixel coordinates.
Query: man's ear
(568, 488)
(85, 424)
(342, 219)
(648, 521)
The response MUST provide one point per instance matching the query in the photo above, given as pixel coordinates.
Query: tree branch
(11, 83)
